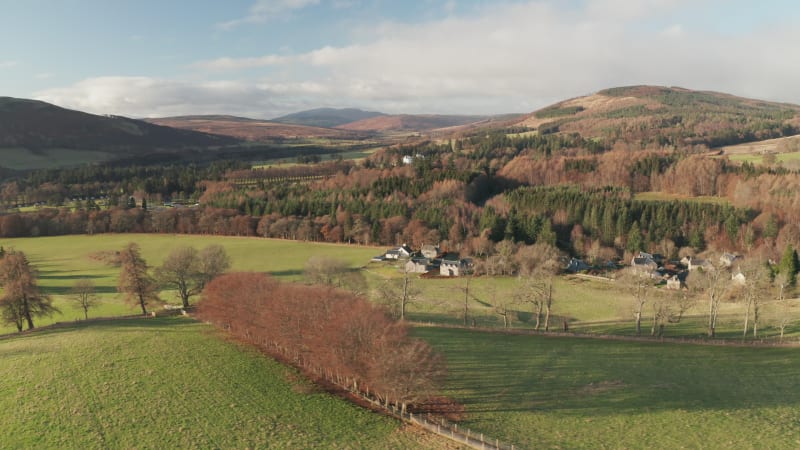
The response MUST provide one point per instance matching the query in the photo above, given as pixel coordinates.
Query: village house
(644, 262)
(404, 251)
(677, 281)
(693, 263)
(454, 266)
(418, 265)
(576, 265)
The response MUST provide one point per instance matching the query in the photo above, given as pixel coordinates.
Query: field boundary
(344, 387)
(719, 342)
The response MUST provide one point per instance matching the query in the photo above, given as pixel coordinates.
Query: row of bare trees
(327, 330)
(755, 286)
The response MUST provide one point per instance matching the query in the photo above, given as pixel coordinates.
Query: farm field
(171, 383)
(545, 392)
(62, 260)
(23, 159)
(759, 158)
(589, 306)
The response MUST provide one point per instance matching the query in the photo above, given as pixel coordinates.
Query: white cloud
(242, 63)
(153, 97)
(8, 64)
(509, 57)
(266, 10)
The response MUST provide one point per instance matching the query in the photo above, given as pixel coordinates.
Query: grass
(62, 260)
(540, 392)
(170, 383)
(24, 159)
(589, 306)
(759, 158)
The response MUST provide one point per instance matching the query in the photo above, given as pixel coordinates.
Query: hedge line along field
(171, 383)
(541, 392)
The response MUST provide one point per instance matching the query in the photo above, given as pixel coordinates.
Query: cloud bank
(511, 57)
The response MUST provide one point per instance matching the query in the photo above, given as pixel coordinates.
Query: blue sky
(264, 58)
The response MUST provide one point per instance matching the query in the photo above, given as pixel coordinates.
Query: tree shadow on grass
(171, 324)
(498, 373)
(286, 273)
(66, 290)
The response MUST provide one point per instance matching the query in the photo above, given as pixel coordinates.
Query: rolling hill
(35, 125)
(410, 123)
(667, 116)
(327, 117)
(250, 129)
(35, 134)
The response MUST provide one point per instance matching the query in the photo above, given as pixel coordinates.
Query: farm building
(455, 267)
(404, 251)
(418, 265)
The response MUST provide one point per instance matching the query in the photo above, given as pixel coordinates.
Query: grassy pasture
(759, 158)
(589, 306)
(23, 159)
(541, 392)
(170, 383)
(62, 260)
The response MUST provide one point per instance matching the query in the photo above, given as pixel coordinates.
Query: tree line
(328, 331)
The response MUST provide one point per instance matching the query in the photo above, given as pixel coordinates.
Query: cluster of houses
(428, 260)
(673, 273)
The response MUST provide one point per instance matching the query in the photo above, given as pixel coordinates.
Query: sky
(266, 58)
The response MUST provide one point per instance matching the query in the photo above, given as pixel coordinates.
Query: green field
(589, 306)
(167, 381)
(24, 159)
(170, 383)
(64, 259)
(759, 158)
(540, 392)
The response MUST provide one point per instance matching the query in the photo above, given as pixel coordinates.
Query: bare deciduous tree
(756, 285)
(22, 300)
(188, 271)
(714, 283)
(638, 283)
(398, 294)
(135, 282)
(83, 296)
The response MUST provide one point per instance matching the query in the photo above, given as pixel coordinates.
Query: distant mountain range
(37, 134)
(410, 123)
(327, 117)
(251, 129)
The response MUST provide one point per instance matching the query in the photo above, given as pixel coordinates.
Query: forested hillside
(593, 188)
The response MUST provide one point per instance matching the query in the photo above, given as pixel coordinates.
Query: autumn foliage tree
(331, 332)
(22, 300)
(135, 282)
